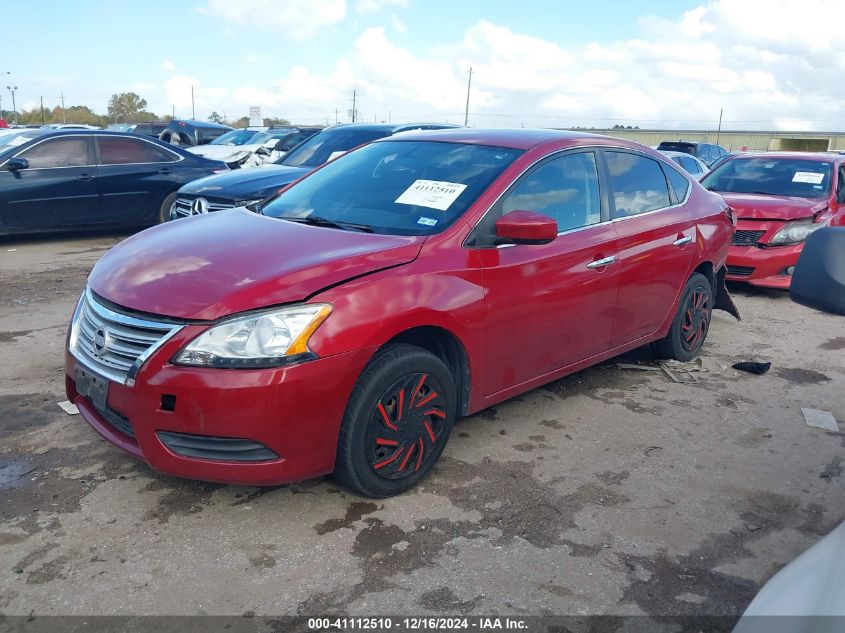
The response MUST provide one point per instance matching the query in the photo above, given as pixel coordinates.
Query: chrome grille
(746, 238)
(184, 207)
(113, 344)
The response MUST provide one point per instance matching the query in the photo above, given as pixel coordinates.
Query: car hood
(207, 267)
(757, 207)
(244, 184)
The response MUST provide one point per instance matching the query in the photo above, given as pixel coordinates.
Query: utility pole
(719, 129)
(354, 100)
(335, 116)
(390, 116)
(172, 112)
(12, 90)
(469, 84)
(42, 109)
(193, 112)
(64, 114)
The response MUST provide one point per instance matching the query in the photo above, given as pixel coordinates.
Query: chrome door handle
(600, 263)
(682, 241)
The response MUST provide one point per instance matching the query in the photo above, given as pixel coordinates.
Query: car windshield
(263, 137)
(327, 144)
(8, 142)
(772, 176)
(235, 137)
(395, 187)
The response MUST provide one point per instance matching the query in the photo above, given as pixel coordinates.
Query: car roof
(391, 128)
(671, 154)
(819, 156)
(517, 138)
(684, 143)
(195, 123)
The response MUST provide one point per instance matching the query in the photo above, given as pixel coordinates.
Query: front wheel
(397, 422)
(166, 206)
(691, 323)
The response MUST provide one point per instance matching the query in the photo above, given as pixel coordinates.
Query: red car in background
(346, 325)
(779, 199)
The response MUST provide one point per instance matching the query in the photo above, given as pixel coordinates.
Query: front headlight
(795, 232)
(268, 339)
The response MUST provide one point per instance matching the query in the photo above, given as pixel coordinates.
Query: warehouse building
(742, 141)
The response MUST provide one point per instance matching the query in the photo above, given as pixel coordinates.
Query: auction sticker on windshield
(809, 177)
(434, 194)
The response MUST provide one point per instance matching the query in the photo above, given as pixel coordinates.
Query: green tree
(275, 121)
(214, 117)
(242, 122)
(125, 106)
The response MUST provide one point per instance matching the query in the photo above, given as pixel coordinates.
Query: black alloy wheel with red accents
(407, 426)
(691, 323)
(397, 422)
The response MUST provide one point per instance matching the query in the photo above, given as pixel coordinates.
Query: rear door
(135, 176)
(548, 306)
(656, 235)
(59, 188)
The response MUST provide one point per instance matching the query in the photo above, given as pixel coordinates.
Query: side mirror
(819, 278)
(263, 151)
(16, 164)
(526, 227)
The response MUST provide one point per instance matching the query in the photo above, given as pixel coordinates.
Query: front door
(656, 241)
(58, 188)
(548, 306)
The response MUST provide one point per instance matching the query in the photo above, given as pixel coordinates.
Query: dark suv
(180, 132)
(707, 153)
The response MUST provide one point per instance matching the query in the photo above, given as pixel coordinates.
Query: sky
(773, 64)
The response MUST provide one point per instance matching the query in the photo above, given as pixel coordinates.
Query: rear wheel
(397, 422)
(164, 212)
(691, 323)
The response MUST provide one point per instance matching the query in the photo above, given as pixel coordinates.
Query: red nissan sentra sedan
(779, 199)
(417, 279)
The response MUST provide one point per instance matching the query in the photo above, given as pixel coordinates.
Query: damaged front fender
(723, 299)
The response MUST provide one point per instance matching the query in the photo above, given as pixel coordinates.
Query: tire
(164, 212)
(397, 422)
(691, 323)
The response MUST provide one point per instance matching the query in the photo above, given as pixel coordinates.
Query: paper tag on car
(810, 177)
(334, 155)
(20, 140)
(427, 221)
(434, 194)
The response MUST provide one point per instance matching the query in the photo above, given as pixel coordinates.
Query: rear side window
(637, 182)
(690, 165)
(117, 150)
(679, 182)
(59, 152)
(565, 189)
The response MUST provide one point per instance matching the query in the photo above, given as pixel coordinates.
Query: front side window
(394, 187)
(117, 150)
(637, 182)
(565, 189)
(772, 176)
(70, 151)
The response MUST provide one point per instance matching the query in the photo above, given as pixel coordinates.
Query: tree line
(123, 107)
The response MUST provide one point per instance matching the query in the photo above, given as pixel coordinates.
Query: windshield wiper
(316, 220)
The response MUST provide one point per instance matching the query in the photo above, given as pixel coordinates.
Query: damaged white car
(252, 147)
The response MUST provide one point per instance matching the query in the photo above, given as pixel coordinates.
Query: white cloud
(773, 63)
(168, 65)
(298, 18)
(397, 24)
(374, 6)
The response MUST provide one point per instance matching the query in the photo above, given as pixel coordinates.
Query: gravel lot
(612, 491)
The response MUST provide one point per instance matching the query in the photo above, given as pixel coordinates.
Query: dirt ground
(612, 491)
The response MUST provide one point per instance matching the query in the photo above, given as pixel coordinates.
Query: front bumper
(766, 267)
(295, 412)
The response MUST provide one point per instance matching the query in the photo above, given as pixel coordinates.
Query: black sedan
(248, 186)
(55, 180)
